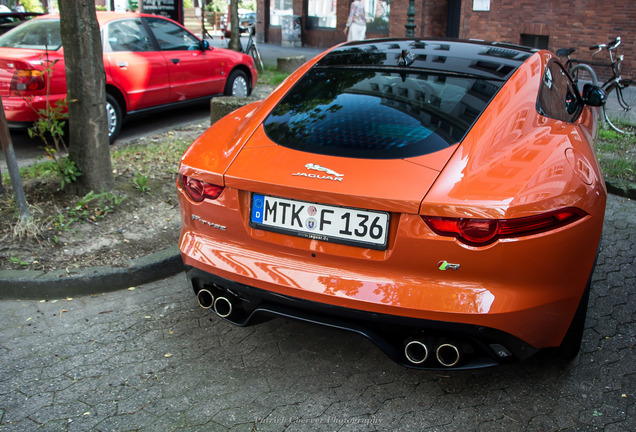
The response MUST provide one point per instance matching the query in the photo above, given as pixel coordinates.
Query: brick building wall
(562, 23)
(571, 23)
(430, 18)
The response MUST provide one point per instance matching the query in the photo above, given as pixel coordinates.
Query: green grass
(42, 170)
(616, 154)
(154, 160)
(271, 76)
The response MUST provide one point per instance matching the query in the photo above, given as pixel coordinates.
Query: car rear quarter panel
(513, 161)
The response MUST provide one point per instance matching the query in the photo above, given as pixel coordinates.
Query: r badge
(445, 265)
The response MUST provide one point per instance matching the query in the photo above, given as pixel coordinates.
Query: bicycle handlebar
(615, 43)
(610, 45)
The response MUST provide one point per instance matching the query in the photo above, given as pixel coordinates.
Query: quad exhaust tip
(416, 352)
(448, 355)
(205, 298)
(223, 307)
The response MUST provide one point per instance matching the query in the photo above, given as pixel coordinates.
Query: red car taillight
(199, 190)
(27, 80)
(482, 232)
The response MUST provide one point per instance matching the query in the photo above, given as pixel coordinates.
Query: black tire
(114, 117)
(571, 344)
(616, 114)
(237, 84)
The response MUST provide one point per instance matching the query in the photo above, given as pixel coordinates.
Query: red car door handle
(175, 61)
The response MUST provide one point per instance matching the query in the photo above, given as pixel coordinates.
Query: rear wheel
(618, 110)
(571, 343)
(237, 84)
(114, 117)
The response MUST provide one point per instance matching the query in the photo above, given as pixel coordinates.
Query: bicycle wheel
(258, 61)
(618, 111)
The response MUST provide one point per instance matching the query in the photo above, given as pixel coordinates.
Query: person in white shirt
(356, 28)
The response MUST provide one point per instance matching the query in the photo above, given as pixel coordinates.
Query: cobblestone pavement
(150, 359)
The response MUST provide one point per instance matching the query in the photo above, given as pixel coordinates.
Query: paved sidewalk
(270, 52)
(150, 359)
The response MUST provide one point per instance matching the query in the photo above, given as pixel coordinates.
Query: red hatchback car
(150, 62)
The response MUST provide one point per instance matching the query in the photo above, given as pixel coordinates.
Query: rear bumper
(21, 113)
(505, 302)
(477, 346)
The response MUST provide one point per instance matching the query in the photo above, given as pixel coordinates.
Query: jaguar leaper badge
(330, 174)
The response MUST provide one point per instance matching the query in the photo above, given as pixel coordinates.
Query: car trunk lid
(394, 185)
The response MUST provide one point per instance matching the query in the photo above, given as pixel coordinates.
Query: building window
(377, 16)
(535, 41)
(321, 13)
(279, 8)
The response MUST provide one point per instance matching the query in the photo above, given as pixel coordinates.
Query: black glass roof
(391, 98)
(486, 60)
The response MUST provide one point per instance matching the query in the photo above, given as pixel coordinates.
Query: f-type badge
(330, 174)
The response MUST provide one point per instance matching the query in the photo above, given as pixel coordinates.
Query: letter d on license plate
(350, 226)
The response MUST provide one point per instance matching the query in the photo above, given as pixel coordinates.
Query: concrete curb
(615, 187)
(30, 284)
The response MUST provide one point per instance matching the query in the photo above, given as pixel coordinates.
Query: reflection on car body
(464, 171)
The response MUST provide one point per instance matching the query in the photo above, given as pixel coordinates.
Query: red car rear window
(42, 34)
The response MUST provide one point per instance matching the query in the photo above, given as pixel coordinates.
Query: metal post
(203, 31)
(410, 20)
(12, 165)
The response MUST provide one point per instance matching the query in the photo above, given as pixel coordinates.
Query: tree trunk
(235, 34)
(86, 83)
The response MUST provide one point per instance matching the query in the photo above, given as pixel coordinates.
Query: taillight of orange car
(482, 232)
(199, 190)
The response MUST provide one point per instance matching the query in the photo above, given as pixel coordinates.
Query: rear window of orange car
(377, 114)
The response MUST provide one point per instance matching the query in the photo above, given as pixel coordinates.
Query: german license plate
(350, 226)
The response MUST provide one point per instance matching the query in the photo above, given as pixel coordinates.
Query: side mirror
(205, 45)
(593, 95)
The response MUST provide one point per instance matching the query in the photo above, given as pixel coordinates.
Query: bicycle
(252, 49)
(615, 112)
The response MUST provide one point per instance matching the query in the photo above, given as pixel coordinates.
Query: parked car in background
(246, 18)
(441, 198)
(150, 62)
(10, 20)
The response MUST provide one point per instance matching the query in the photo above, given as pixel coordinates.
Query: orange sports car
(441, 198)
